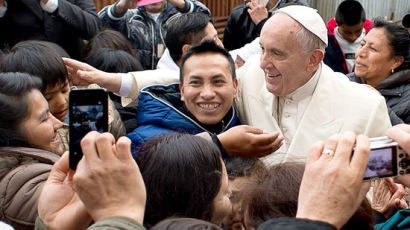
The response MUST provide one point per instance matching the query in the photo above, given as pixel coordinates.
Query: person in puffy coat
(201, 102)
(29, 146)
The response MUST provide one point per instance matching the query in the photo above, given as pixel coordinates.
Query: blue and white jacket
(161, 111)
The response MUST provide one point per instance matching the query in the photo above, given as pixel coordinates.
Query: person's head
(208, 82)
(293, 42)
(155, 8)
(109, 39)
(44, 60)
(275, 194)
(406, 21)
(242, 172)
(383, 51)
(188, 30)
(113, 61)
(185, 177)
(25, 119)
(350, 17)
(185, 224)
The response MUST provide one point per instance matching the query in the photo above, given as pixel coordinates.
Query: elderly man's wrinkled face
(283, 60)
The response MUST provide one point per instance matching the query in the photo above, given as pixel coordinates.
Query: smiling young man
(201, 102)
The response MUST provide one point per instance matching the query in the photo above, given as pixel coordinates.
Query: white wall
(373, 8)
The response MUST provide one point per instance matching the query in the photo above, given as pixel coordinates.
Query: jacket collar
(35, 8)
(38, 154)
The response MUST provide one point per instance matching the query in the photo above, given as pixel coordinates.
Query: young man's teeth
(208, 106)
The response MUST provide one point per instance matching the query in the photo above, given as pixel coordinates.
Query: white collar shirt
(289, 110)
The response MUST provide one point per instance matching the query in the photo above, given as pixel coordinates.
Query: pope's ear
(315, 57)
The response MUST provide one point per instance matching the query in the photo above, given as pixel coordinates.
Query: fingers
(90, 152)
(330, 147)
(73, 64)
(400, 134)
(104, 144)
(124, 148)
(361, 154)
(314, 153)
(60, 169)
(250, 129)
(344, 148)
(266, 138)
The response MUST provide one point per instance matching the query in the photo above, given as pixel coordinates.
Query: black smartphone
(88, 111)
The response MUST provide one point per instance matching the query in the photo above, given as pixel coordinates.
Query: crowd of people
(267, 129)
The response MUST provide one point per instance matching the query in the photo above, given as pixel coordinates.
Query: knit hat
(308, 18)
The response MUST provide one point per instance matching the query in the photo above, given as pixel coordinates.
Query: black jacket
(396, 90)
(73, 21)
(240, 29)
(290, 223)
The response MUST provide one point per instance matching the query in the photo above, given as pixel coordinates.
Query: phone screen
(382, 163)
(88, 112)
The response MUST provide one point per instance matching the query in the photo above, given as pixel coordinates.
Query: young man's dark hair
(38, 58)
(207, 46)
(186, 29)
(350, 12)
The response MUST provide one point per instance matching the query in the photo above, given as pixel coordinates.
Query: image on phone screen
(381, 163)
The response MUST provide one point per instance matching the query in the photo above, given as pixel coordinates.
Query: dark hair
(244, 167)
(275, 195)
(406, 20)
(114, 61)
(14, 106)
(185, 224)
(182, 175)
(185, 29)
(37, 58)
(109, 39)
(350, 12)
(399, 40)
(206, 46)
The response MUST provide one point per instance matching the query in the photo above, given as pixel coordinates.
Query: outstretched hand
(82, 74)
(250, 142)
(332, 187)
(59, 207)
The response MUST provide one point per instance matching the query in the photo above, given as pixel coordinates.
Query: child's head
(44, 60)
(350, 17)
(114, 61)
(109, 39)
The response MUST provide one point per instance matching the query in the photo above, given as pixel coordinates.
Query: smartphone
(387, 159)
(88, 111)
